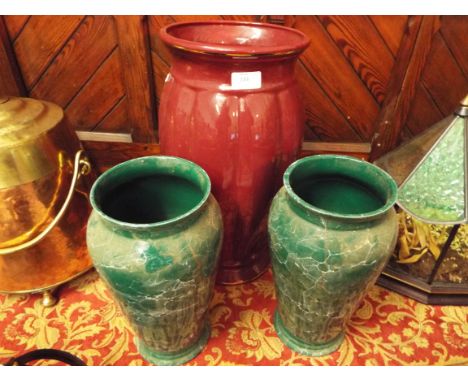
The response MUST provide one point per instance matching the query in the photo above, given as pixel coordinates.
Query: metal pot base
(49, 298)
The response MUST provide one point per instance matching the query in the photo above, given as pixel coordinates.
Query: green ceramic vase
(154, 236)
(332, 228)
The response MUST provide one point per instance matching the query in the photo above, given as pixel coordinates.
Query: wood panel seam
(138, 83)
(80, 89)
(115, 106)
(331, 100)
(414, 49)
(52, 59)
(157, 52)
(11, 72)
(431, 98)
(333, 42)
(452, 55)
(443, 66)
(382, 38)
(151, 74)
(13, 38)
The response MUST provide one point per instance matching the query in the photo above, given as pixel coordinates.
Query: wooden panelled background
(107, 72)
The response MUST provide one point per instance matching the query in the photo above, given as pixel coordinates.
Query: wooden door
(365, 79)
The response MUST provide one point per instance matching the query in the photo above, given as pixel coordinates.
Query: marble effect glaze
(324, 263)
(162, 275)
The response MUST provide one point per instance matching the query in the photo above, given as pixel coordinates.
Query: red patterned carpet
(387, 329)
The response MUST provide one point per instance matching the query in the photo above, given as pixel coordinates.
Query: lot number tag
(246, 80)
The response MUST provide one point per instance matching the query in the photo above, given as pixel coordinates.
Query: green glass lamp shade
(435, 192)
(429, 264)
(431, 170)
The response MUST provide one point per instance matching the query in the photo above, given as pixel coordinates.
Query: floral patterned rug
(386, 329)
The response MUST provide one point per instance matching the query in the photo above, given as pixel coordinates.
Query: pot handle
(81, 167)
(35, 355)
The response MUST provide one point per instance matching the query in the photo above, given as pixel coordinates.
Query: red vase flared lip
(234, 38)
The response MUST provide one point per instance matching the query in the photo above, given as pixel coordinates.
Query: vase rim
(296, 44)
(389, 202)
(160, 224)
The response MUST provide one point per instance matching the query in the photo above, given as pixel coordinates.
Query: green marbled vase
(332, 228)
(154, 236)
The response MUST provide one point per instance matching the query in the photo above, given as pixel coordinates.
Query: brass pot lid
(22, 119)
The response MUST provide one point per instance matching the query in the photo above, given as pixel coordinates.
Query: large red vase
(232, 105)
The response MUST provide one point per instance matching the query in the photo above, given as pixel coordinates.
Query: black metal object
(35, 355)
(399, 277)
(410, 286)
(442, 255)
(429, 291)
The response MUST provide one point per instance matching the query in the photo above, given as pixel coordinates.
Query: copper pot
(43, 198)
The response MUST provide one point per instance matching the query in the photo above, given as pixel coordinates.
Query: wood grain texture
(116, 121)
(337, 78)
(454, 30)
(337, 147)
(155, 23)
(409, 64)
(324, 121)
(93, 41)
(443, 78)
(104, 155)
(93, 65)
(160, 55)
(286, 20)
(136, 59)
(40, 41)
(243, 17)
(423, 113)
(364, 48)
(182, 18)
(11, 82)
(99, 95)
(15, 24)
(160, 69)
(391, 28)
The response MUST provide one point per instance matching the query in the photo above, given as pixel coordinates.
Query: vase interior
(235, 34)
(341, 186)
(146, 193)
(338, 193)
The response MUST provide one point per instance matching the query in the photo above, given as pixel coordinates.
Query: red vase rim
(277, 40)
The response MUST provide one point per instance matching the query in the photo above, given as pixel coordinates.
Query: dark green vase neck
(142, 231)
(338, 191)
(151, 197)
(325, 221)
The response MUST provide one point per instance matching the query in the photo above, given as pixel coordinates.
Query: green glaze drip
(338, 194)
(331, 229)
(154, 236)
(151, 199)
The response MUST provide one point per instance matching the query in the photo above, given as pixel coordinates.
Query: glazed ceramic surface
(154, 236)
(332, 228)
(231, 104)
